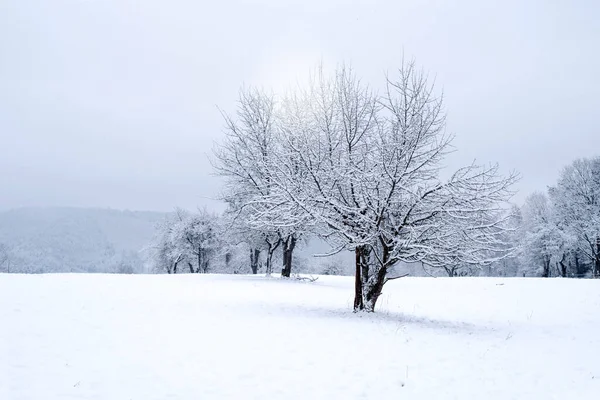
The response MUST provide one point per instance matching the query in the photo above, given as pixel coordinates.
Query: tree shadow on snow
(397, 319)
(430, 323)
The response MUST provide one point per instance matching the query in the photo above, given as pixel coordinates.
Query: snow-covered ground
(242, 337)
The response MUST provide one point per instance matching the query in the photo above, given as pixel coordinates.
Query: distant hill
(75, 239)
(63, 239)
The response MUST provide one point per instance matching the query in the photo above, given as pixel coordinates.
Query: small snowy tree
(127, 262)
(164, 254)
(186, 238)
(195, 236)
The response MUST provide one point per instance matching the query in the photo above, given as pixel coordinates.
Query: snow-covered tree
(365, 169)
(576, 199)
(196, 236)
(186, 238)
(247, 161)
(544, 244)
(164, 254)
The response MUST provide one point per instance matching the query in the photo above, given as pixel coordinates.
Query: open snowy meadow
(249, 337)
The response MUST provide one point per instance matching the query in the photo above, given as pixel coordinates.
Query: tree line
(560, 228)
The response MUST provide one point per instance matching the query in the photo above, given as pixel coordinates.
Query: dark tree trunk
(546, 270)
(200, 261)
(270, 251)
(288, 249)
(191, 267)
(254, 254)
(563, 270)
(228, 261)
(205, 261)
(377, 281)
(597, 260)
(358, 282)
(580, 271)
(563, 267)
(365, 265)
(173, 268)
(374, 289)
(269, 266)
(368, 287)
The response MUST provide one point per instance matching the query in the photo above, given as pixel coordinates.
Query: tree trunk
(597, 260)
(200, 261)
(172, 269)
(546, 270)
(374, 289)
(254, 254)
(377, 280)
(365, 265)
(270, 251)
(563, 270)
(228, 261)
(358, 282)
(269, 266)
(191, 267)
(563, 267)
(580, 271)
(205, 260)
(288, 249)
(367, 287)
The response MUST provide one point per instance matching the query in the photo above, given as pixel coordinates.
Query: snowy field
(240, 337)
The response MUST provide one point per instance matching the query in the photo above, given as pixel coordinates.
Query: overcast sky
(113, 103)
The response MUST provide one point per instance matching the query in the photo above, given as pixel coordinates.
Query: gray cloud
(112, 103)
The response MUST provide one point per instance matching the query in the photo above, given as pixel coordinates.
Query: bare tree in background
(185, 237)
(196, 234)
(164, 254)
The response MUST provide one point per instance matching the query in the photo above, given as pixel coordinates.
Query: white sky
(113, 103)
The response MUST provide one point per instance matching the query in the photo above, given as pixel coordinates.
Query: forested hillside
(74, 239)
